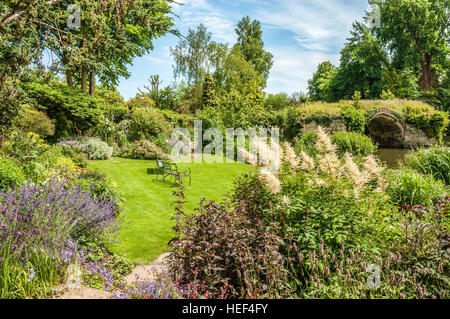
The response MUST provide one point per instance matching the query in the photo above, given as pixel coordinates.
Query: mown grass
(148, 202)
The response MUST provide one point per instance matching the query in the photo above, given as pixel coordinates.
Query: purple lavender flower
(31, 276)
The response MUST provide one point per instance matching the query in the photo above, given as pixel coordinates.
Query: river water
(392, 156)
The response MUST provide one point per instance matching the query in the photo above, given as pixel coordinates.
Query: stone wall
(336, 126)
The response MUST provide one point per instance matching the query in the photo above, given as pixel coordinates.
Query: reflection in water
(391, 156)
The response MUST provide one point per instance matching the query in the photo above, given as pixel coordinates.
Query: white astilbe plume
(290, 157)
(307, 162)
(286, 200)
(324, 143)
(317, 182)
(373, 171)
(329, 164)
(351, 170)
(269, 156)
(270, 180)
(249, 158)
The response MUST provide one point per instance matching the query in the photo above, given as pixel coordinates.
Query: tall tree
(192, 55)
(364, 66)
(252, 46)
(209, 95)
(196, 55)
(112, 33)
(417, 35)
(319, 86)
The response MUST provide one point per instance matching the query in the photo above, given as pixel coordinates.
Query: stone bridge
(385, 129)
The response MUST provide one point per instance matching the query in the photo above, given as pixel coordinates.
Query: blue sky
(299, 33)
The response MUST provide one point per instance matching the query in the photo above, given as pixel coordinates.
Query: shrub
(71, 110)
(354, 143)
(146, 150)
(277, 101)
(96, 149)
(410, 187)
(387, 95)
(227, 249)
(73, 150)
(10, 173)
(92, 147)
(434, 161)
(99, 184)
(34, 121)
(27, 149)
(414, 265)
(140, 101)
(147, 124)
(354, 119)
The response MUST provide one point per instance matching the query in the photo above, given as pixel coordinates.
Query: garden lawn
(147, 202)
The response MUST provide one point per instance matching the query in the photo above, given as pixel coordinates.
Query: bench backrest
(170, 168)
(159, 163)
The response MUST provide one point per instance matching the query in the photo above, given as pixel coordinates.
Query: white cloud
(194, 12)
(294, 67)
(319, 25)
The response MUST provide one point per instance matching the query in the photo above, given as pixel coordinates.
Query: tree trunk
(92, 83)
(83, 79)
(69, 78)
(428, 77)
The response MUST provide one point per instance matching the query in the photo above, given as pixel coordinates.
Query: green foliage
(252, 46)
(10, 98)
(26, 148)
(433, 123)
(112, 105)
(277, 102)
(10, 173)
(179, 120)
(100, 185)
(72, 111)
(140, 101)
(306, 143)
(434, 161)
(237, 81)
(416, 43)
(147, 123)
(363, 67)
(209, 97)
(289, 120)
(319, 86)
(319, 212)
(387, 95)
(353, 143)
(354, 119)
(192, 54)
(413, 188)
(34, 121)
(36, 278)
(210, 118)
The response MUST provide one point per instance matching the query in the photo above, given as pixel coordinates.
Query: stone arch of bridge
(386, 130)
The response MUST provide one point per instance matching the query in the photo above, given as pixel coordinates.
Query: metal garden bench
(167, 169)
